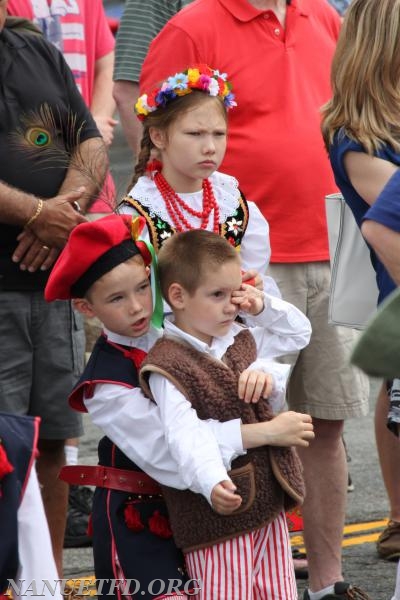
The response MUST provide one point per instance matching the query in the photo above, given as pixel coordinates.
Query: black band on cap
(107, 261)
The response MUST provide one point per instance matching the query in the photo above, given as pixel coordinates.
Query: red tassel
(132, 518)
(5, 466)
(294, 520)
(159, 525)
(89, 528)
(153, 165)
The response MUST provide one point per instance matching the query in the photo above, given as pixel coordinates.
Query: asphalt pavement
(367, 505)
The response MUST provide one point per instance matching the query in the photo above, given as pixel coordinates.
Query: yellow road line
(365, 526)
(349, 539)
(296, 540)
(88, 585)
(360, 539)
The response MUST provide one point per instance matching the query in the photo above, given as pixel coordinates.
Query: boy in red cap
(107, 274)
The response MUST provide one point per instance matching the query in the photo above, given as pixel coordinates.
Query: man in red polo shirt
(277, 54)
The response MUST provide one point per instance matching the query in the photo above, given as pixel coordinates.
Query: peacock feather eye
(38, 137)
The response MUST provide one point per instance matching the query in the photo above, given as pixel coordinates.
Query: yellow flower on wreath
(193, 75)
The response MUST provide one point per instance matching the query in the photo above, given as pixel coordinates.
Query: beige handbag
(353, 293)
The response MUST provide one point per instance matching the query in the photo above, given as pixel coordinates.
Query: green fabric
(140, 23)
(23, 25)
(377, 352)
(157, 318)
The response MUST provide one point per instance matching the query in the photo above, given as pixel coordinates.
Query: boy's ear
(83, 306)
(157, 136)
(176, 296)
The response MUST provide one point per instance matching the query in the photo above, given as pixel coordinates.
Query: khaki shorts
(322, 382)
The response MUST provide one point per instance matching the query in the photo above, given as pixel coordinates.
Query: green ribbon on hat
(157, 318)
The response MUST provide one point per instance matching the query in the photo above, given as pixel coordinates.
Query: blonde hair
(366, 77)
(163, 118)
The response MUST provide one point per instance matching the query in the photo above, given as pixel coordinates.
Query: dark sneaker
(76, 535)
(388, 543)
(300, 564)
(79, 509)
(343, 591)
(81, 498)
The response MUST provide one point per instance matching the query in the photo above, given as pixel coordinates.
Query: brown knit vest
(268, 479)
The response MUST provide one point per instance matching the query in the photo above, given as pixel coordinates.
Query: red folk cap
(93, 249)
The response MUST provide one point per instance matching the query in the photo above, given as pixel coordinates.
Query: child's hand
(255, 384)
(252, 277)
(249, 299)
(223, 498)
(289, 429)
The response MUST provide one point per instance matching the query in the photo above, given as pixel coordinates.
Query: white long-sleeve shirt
(133, 422)
(278, 329)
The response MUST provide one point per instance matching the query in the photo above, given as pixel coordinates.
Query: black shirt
(42, 119)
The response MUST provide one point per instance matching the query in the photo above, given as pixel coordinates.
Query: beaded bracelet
(35, 214)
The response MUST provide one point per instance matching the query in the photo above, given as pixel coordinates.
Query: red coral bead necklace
(175, 205)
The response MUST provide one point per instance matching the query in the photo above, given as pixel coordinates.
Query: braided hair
(162, 119)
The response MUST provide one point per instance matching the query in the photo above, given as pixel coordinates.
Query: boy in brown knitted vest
(201, 363)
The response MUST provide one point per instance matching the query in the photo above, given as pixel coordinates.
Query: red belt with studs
(134, 482)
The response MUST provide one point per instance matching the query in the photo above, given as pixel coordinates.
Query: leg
(54, 493)
(325, 471)
(388, 446)
(252, 566)
(57, 359)
(274, 576)
(324, 385)
(224, 570)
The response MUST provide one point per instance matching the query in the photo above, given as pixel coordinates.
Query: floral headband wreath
(201, 78)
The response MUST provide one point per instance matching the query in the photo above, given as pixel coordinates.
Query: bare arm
(287, 429)
(88, 168)
(386, 244)
(368, 174)
(17, 207)
(103, 104)
(125, 94)
(58, 215)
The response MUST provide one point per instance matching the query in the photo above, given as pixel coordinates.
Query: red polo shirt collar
(243, 11)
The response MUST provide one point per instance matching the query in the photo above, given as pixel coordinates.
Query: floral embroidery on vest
(233, 229)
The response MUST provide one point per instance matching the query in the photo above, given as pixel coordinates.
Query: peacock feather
(50, 139)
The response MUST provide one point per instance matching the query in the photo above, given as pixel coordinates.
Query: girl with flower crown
(176, 185)
(185, 128)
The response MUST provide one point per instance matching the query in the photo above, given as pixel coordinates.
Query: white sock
(71, 455)
(318, 595)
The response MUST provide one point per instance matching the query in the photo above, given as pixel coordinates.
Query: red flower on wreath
(132, 518)
(159, 525)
